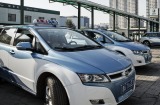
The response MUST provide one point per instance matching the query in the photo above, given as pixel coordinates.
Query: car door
(153, 37)
(158, 34)
(6, 38)
(22, 62)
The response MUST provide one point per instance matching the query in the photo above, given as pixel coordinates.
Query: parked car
(64, 67)
(151, 39)
(138, 53)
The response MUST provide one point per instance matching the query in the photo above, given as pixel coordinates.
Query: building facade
(130, 6)
(10, 14)
(84, 21)
(151, 4)
(151, 9)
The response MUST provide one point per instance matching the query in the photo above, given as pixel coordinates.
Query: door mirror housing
(24, 46)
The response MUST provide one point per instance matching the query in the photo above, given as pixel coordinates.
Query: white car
(138, 53)
(151, 39)
(64, 70)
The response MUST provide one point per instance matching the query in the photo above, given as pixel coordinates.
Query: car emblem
(125, 73)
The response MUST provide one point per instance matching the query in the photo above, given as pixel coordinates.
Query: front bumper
(110, 93)
(140, 60)
(155, 43)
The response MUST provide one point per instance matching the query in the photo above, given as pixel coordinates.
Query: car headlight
(89, 78)
(138, 52)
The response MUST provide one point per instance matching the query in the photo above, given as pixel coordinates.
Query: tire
(2, 80)
(147, 43)
(55, 92)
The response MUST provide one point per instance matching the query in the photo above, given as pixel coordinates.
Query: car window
(74, 39)
(7, 35)
(152, 35)
(108, 40)
(38, 48)
(158, 34)
(23, 35)
(145, 35)
(116, 36)
(90, 34)
(65, 39)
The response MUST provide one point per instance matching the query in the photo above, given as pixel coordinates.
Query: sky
(66, 10)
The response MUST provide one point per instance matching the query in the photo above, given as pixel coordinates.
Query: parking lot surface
(147, 88)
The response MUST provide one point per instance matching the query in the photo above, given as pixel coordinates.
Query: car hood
(94, 61)
(133, 45)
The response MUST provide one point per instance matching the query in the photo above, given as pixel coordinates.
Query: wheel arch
(40, 85)
(146, 41)
(41, 82)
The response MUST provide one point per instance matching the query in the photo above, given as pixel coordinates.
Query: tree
(70, 24)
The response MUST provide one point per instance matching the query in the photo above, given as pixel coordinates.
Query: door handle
(12, 52)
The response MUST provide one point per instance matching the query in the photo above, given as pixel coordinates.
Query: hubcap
(48, 96)
(146, 43)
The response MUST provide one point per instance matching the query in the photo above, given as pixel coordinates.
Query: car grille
(121, 74)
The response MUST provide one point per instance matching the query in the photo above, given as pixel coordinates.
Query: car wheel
(2, 80)
(147, 43)
(55, 93)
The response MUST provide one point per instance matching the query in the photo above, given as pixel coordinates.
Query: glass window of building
(53, 18)
(28, 19)
(12, 17)
(41, 17)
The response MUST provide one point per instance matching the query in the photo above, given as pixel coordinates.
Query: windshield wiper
(78, 48)
(124, 40)
(89, 47)
(63, 48)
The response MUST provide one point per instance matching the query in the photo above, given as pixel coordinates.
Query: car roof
(95, 30)
(152, 32)
(32, 26)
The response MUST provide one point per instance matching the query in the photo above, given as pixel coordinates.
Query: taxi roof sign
(44, 22)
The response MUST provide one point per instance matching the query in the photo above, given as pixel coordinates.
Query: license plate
(127, 86)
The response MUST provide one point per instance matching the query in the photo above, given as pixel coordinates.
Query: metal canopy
(88, 5)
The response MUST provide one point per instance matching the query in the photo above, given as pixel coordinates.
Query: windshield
(116, 36)
(65, 39)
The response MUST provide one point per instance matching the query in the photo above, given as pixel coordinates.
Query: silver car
(151, 39)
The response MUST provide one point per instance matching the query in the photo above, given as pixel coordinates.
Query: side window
(7, 35)
(158, 34)
(149, 35)
(145, 35)
(152, 35)
(39, 48)
(23, 35)
(108, 41)
(91, 35)
(98, 37)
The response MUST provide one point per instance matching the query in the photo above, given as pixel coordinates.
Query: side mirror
(24, 46)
